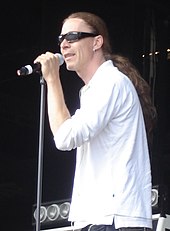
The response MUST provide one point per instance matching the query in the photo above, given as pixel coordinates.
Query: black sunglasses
(74, 36)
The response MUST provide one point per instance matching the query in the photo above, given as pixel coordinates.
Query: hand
(49, 65)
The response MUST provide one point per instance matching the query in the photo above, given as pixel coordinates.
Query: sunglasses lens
(71, 37)
(60, 38)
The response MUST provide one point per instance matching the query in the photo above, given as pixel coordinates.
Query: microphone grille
(61, 59)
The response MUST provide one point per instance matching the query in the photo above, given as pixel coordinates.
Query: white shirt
(112, 175)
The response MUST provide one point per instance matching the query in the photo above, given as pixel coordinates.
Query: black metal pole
(40, 153)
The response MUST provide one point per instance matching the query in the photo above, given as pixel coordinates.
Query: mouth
(68, 56)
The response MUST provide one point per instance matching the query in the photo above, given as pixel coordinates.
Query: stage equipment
(53, 214)
(159, 199)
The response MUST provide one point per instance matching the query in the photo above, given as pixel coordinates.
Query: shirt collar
(93, 79)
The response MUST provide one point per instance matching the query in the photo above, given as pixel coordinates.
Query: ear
(98, 42)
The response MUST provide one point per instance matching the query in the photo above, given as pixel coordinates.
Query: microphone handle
(29, 69)
(36, 67)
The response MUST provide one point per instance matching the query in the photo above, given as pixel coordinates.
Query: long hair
(124, 65)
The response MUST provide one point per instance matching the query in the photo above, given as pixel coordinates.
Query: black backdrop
(30, 28)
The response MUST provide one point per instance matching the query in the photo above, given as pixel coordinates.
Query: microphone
(36, 67)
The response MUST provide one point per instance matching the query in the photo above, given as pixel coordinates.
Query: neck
(86, 74)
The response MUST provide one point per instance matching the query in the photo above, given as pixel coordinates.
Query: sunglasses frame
(76, 35)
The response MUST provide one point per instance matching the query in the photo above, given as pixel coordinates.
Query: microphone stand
(40, 156)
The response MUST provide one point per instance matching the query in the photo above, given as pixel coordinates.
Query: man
(112, 184)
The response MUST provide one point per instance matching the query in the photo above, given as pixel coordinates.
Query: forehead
(74, 24)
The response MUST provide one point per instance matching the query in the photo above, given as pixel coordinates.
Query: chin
(70, 67)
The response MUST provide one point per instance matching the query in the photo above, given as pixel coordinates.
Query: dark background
(29, 28)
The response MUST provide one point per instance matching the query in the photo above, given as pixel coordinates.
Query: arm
(57, 109)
